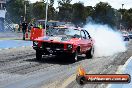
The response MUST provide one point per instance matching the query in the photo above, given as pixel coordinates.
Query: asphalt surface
(20, 69)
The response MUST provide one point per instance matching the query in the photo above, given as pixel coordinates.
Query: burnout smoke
(107, 41)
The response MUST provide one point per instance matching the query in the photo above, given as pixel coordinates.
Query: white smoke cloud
(107, 41)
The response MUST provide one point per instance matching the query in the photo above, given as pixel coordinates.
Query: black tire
(38, 55)
(81, 80)
(89, 54)
(74, 57)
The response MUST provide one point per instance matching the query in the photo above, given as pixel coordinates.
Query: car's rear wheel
(90, 53)
(38, 55)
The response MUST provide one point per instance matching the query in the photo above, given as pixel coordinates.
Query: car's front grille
(53, 45)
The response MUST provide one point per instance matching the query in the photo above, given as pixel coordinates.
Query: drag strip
(20, 69)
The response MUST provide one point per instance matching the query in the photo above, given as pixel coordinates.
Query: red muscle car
(68, 42)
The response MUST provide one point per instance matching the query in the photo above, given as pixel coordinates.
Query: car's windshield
(64, 31)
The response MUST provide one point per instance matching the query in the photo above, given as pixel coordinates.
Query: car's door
(83, 42)
(89, 41)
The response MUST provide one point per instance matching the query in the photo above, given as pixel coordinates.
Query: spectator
(40, 25)
(24, 28)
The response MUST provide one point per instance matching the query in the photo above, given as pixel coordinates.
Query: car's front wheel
(38, 55)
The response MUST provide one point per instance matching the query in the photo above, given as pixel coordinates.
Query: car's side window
(87, 35)
(83, 35)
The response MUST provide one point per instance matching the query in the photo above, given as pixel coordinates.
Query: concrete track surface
(20, 69)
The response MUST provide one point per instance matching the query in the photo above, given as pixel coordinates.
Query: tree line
(77, 13)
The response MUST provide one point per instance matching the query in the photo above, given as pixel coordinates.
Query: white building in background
(2, 14)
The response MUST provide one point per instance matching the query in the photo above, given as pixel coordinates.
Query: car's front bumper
(54, 51)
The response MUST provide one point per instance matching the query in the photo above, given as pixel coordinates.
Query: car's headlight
(35, 43)
(69, 46)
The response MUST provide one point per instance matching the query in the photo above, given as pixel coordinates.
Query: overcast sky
(114, 3)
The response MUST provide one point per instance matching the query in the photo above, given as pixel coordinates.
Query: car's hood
(63, 39)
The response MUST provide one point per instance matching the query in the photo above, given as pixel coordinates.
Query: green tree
(88, 11)
(15, 9)
(127, 18)
(78, 13)
(62, 2)
(104, 14)
(65, 10)
(51, 11)
(51, 2)
(38, 10)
